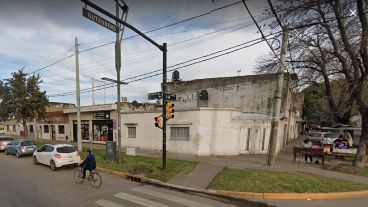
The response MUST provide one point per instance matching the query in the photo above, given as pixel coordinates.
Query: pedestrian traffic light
(158, 122)
(169, 110)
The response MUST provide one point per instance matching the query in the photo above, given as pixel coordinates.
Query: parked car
(20, 147)
(326, 138)
(4, 141)
(56, 156)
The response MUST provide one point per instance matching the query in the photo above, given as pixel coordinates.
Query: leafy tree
(23, 98)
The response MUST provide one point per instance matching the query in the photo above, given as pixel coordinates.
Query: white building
(217, 116)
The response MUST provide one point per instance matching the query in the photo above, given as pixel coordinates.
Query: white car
(326, 138)
(57, 155)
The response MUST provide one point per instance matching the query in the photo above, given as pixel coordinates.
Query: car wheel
(52, 165)
(6, 152)
(18, 155)
(35, 161)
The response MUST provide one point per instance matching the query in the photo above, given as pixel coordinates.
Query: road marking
(107, 203)
(175, 199)
(139, 200)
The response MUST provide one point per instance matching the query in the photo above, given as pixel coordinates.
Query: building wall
(249, 94)
(211, 132)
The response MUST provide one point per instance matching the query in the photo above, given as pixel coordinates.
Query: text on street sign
(99, 20)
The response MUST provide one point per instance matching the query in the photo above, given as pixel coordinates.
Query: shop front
(102, 130)
(98, 123)
(84, 130)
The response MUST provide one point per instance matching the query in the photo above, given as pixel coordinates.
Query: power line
(54, 63)
(169, 25)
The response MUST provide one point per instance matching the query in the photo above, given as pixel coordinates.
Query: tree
(328, 43)
(23, 98)
(4, 96)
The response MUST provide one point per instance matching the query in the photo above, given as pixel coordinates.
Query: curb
(244, 195)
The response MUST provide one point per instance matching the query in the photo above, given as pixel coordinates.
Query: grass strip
(263, 181)
(149, 167)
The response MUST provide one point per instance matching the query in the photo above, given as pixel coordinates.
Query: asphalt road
(26, 185)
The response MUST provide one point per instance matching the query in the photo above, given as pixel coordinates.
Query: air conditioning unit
(124, 99)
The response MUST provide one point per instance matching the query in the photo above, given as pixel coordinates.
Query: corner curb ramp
(243, 195)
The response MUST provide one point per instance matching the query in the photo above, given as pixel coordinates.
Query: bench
(314, 152)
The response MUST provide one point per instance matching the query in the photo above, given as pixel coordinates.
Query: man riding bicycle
(89, 163)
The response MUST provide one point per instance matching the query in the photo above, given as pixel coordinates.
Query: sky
(37, 33)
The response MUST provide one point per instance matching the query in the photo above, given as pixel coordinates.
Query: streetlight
(118, 111)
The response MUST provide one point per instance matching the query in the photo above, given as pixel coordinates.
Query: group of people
(343, 142)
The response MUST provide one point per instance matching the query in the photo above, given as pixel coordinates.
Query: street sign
(155, 95)
(99, 20)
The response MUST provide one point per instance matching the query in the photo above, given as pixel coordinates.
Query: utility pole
(93, 91)
(164, 103)
(79, 135)
(118, 67)
(277, 101)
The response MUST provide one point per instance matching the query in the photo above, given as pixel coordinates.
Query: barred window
(45, 128)
(179, 133)
(61, 129)
(132, 132)
(30, 128)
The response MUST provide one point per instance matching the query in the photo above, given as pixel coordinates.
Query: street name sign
(99, 20)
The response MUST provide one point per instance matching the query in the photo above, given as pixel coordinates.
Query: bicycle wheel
(78, 176)
(96, 180)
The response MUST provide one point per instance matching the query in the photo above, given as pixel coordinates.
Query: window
(131, 132)
(28, 143)
(7, 128)
(263, 140)
(66, 149)
(179, 133)
(13, 128)
(30, 128)
(49, 148)
(45, 128)
(61, 129)
(248, 139)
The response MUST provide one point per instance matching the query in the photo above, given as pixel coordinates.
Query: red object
(58, 156)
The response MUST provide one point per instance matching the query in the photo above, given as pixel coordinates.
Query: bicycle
(94, 177)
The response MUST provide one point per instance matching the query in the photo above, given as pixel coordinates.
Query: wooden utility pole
(277, 101)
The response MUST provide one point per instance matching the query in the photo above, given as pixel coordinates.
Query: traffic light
(158, 122)
(169, 110)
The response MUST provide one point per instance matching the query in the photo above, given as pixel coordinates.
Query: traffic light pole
(163, 48)
(164, 103)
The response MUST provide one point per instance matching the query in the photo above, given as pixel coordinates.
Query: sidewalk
(210, 166)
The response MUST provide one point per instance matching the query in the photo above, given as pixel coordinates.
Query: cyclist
(89, 163)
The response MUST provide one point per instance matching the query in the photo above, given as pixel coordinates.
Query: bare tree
(328, 43)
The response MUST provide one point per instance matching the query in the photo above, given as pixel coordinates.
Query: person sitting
(341, 143)
(349, 138)
(307, 144)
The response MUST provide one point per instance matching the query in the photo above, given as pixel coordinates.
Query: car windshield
(28, 143)
(6, 139)
(331, 135)
(66, 149)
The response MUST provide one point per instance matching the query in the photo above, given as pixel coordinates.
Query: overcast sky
(36, 33)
